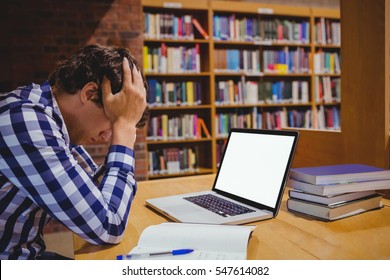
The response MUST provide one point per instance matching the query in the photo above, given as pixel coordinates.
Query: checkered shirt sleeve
(38, 171)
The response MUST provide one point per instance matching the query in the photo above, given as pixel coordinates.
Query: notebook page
(208, 241)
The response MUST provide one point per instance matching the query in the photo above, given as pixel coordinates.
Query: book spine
(200, 28)
(172, 161)
(164, 127)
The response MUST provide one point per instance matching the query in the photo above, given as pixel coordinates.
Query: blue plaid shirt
(42, 176)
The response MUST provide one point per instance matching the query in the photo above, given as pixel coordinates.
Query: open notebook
(209, 242)
(249, 184)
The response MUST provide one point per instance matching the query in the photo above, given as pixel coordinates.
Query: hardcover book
(331, 189)
(329, 199)
(337, 211)
(336, 174)
(200, 28)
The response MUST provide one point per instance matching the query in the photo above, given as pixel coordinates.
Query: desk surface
(288, 236)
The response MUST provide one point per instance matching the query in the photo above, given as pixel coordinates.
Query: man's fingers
(131, 78)
(137, 78)
(127, 77)
(106, 88)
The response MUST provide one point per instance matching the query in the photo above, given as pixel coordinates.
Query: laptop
(249, 184)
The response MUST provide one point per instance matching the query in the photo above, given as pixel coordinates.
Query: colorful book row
(323, 118)
(327, 89)
(286, 61)
(327, 118)
(164, 93)
(166, 59)
(231, 28)
(173, 160)
(234, 60)
(327, 32)
(326, 62)
(261, 92)
(168, 26)
(261, 119)
(187, 126)
(220, 149)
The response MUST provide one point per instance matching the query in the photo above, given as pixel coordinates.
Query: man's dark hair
(91, 64)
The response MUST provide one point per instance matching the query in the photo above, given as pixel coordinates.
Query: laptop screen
(255, 165)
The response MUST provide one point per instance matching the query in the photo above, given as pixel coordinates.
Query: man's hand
(125, 108)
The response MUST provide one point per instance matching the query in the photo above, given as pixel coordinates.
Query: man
(97, 95)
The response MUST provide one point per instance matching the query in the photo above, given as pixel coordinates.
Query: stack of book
(336, 191)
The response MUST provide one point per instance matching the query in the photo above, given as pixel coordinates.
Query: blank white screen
(254, 165)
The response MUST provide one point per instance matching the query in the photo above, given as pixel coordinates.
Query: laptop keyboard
(219, 205)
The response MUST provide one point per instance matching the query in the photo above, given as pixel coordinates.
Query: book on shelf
(220, 147)
(173, 161)
(326, 62)
(329, 199)
(335, 211)
(200, 28)
(165, 93)
(168, 26)
(202, 129)
(339, 174)
(165, 127)
(255, 118)
(327, 89)
(327, 31)
(236, 61)
(172, 59)
(288, 60)
(329, 189)
(231, 92)
(209, 242)
(326, 118)
(252, 29)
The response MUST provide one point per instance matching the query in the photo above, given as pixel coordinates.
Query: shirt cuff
(121, 157)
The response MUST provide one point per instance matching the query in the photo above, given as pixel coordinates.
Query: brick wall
(306, 3)
(36, 34)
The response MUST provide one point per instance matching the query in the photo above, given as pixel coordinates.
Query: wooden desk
(288, 236)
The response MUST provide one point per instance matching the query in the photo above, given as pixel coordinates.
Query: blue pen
(143, 255)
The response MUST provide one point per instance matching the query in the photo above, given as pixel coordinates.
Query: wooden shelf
(329, 46)
(261, 43)
(174, 41)
(221, 106)
(201, 171)
(186, 107)
(259, 9)
(187, 74)
(324, 12)
(327, 74)
(176, 5)
(177, 141)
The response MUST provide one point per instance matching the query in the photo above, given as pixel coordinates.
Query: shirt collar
(48, 97)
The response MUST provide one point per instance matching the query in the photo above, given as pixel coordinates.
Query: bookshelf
(176, 65)
(326, 80)
(263, 79)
